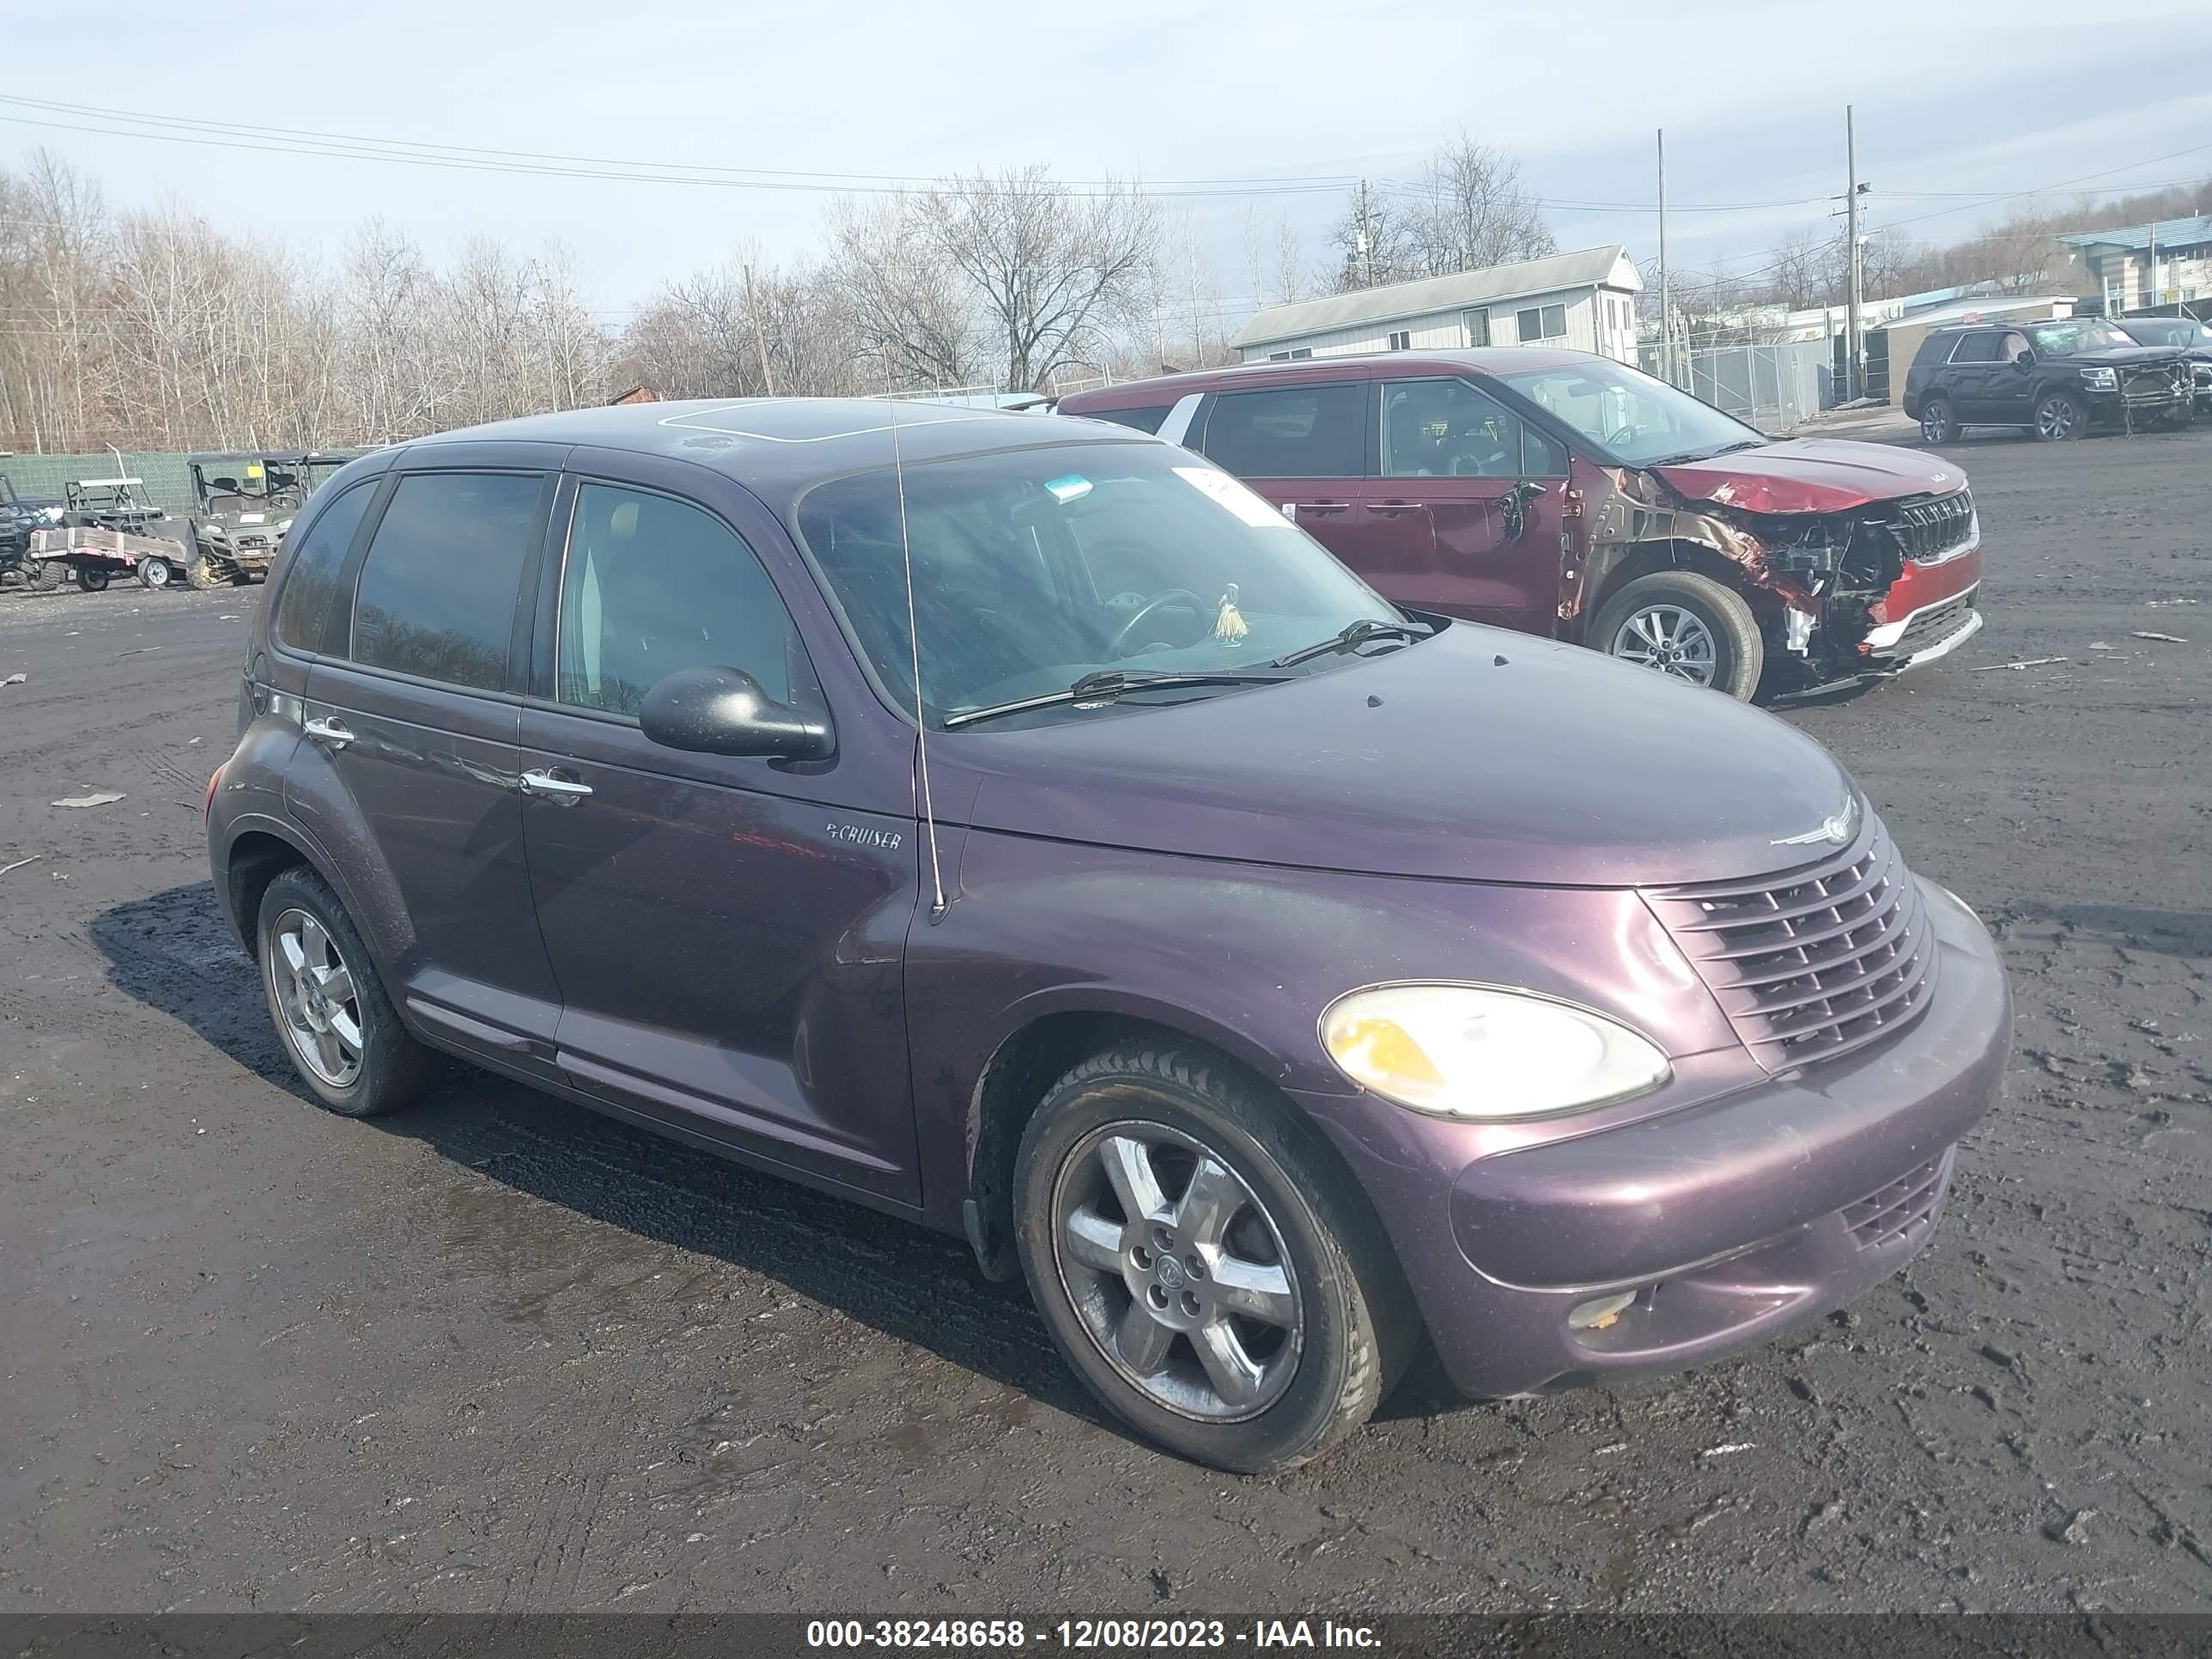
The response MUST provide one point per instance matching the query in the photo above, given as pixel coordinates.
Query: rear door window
(1977, 348)
(309, 603)
(440, 586)
(653, 585)
(1290, 432)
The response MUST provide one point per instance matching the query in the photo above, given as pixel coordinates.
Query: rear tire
(154, 574)
(1686, 625)
(92, 581)
(339, 1028)
(1939, 422)
(2060, 417)
(47, 574)
(1321, 1323)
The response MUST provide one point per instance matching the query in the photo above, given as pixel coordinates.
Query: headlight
(1465, 1052)
(2100, 379)
(283, 524)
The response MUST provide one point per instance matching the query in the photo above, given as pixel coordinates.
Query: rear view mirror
(724, 711)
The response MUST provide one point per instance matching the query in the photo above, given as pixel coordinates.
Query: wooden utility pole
(760, 335)
(1855, 375)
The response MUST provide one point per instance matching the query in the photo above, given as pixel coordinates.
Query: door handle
(1322, 507)
(1394, 509)
(567, 791)
(331, 733)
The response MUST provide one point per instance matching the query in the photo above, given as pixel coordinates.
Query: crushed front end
(1875, 590)
(1843, 587)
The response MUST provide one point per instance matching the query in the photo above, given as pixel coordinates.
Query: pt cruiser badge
(1837, 829)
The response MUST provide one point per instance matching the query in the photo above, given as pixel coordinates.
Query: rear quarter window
(442, 579)
(1148, 418)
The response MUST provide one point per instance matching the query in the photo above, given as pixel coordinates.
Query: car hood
(1812, 475)
(2122, 357)
(1477, 754)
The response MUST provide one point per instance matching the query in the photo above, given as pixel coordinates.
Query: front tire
(339, 1028)
(1203, 1263)
(92, 580)
(154, 573)
(1685, 624)
(1939, 422)
(2060, 417)
(201, 575)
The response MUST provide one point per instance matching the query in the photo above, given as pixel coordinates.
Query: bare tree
(1469, 209)
(1052, 271)
(913, 323)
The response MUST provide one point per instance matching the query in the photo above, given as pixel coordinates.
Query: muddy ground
(495, 1354)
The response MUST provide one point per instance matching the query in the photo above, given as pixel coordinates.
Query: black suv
(19, 516)
(2186, 335)
(2057, 379)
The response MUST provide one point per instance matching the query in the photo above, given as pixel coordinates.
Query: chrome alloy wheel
(316, 999)
(2054, 418)
(1190, 1297)
(1671, 639)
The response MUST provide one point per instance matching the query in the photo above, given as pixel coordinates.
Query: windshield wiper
(1105, 686)
(1354, 634)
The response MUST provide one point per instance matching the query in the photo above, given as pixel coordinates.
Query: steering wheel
(1615, 439)
(1160, 601)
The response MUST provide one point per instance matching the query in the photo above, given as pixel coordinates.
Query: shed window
(1478, 328)
(1401, 340)
(1541, 323)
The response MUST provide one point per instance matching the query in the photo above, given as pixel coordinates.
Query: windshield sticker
(1072, 488)
(1246, 504)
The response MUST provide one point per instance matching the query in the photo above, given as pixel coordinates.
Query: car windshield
(2070, 337)
(1034, 567)
(1632, 418)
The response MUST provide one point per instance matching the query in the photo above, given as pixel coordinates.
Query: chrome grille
(1903, 1210)
(1815, 962)
(1933, 526)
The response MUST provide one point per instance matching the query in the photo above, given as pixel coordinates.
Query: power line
(1327, 181)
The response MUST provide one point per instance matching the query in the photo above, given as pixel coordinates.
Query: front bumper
(1728, 1221)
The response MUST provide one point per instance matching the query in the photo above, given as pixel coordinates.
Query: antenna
(937, 902)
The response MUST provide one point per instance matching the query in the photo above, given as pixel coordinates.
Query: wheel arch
(1042, 1047)
(1649, 558)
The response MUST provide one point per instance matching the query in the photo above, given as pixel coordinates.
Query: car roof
(778, 446)
(305, 457)
(1487, 359)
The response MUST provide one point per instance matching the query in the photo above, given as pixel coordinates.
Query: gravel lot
(495, 1354)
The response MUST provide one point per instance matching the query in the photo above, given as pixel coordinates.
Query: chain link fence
(1773, 387)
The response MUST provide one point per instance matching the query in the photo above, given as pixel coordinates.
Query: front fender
(1245, 957)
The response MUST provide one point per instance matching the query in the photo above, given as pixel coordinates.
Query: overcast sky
(1977, 97)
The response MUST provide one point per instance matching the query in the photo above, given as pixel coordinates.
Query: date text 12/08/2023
(1086, 1634)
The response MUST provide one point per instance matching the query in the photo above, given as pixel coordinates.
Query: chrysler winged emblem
(1836, 829)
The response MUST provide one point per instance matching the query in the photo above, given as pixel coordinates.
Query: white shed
(1584, 301)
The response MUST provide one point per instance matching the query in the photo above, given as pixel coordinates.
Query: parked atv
(242, 505)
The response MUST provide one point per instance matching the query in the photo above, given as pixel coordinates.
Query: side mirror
(723, 711)
(2024, 357)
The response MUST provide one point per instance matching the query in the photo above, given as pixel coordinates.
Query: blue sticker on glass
(1072, 488)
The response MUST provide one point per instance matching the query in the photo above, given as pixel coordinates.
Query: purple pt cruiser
(1277, 980)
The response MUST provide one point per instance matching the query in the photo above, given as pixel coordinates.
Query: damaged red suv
(1571, 495)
